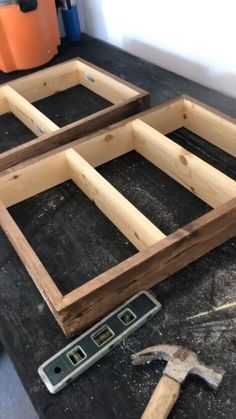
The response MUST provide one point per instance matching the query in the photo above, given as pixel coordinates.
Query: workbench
(197, 302)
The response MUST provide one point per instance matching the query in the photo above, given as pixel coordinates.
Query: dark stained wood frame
(159, 256)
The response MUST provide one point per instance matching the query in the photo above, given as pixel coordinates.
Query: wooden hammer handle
(163, 399)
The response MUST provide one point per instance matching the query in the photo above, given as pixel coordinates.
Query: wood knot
(108, 137)
(183, 160)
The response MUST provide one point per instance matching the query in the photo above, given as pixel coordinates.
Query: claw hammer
(180, 363)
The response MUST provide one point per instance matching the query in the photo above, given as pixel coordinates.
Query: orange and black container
(29, 34)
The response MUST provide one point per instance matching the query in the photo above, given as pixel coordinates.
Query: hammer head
(180, 363)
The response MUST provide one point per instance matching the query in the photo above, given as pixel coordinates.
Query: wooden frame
(159, 256)
(18, 95)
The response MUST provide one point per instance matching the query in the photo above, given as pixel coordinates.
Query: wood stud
(137, 228)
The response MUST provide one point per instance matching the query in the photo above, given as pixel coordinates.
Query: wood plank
(112, 75)
(167, 117)
(47, 82)
(210, 124)
(208, 183)
(22, 183)
(100, 149)
(96, 149)
(35, 120)
(4, 106)
(35, 268)
(103, 84)
(147, 268)
(132, 223)
(73, 131)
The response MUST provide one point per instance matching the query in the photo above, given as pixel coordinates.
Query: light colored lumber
(22, 183)
(4, 107)
(163, 399)
(104, 85)
(166, 117)
(96, 149)
(199, 177)
(134, 225)
(210, 124)
(107, 146)
(46, 82)
(34, 176)
(50, 81)
(36, 121)
(30, 260)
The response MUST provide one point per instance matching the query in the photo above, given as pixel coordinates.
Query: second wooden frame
(17, 97)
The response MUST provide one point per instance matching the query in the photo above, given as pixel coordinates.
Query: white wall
(196, 39)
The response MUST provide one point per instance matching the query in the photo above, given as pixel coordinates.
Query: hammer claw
(152, 353)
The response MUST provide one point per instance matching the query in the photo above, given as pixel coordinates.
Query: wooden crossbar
(196, 175)
(159, 256)
(35, 120)
(215, 127)
(32, 179)
(45, 83)
(101, 83)
(167, 117)
(134, 225)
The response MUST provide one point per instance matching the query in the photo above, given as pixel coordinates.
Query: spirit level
(92, 345)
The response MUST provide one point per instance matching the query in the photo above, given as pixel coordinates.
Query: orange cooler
(29, 34)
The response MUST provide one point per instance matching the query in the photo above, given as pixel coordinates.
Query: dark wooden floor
(76, 242)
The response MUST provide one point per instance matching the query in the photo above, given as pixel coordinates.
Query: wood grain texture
(103, 84)
(131, 222)
(104, 147)
(163, 399)
(167, 117)
(45, 82)
(31, 336)
(210, 124)
(15, 96)
(157, 261)
(144, 270)
(25, 182)
(202, 179)
(73, 131)
(38, 273)
(4, 106)
(50, 81)
(34, 176)
(35, 120)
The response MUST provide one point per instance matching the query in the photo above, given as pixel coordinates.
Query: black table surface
(76, 242)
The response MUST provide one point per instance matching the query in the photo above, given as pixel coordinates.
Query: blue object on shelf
(71, 23)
